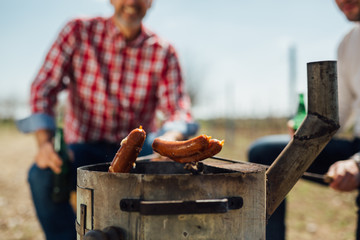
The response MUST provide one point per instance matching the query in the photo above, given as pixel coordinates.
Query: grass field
(314, 212)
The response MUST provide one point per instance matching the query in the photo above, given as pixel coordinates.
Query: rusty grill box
(162, 200)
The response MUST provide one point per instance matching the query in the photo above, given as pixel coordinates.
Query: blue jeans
(58, 219)
(265, 150)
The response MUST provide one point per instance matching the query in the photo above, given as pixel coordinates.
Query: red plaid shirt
(113, 86)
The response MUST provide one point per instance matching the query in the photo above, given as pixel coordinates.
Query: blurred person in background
(340, 159)
(118, 75)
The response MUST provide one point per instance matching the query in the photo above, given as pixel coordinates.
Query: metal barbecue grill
(162, 200)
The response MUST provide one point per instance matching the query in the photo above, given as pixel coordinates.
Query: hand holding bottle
(61, 179)
(46, 156)
(290, 126)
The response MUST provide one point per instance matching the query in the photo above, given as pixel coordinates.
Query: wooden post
(320, 124)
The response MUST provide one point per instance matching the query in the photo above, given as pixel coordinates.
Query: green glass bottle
(301, 112)
(62, 180)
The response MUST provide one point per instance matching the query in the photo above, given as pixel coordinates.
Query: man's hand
(46, 156)
(172, 136)
(346, 175)
(290, 126)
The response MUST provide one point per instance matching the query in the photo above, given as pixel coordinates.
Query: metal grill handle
(172, 207)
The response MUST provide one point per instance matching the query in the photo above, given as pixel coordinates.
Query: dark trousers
(58, 219)
(265, 150)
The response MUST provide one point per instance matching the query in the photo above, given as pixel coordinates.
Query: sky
(234, 54)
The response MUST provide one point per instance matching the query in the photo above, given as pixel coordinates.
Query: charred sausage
(214, 148)
(130, 148)
(180, 149)
(192, 150)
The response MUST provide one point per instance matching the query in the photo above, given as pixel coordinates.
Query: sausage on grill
(214, 148)
(192, 150)
(177, 149)
(130, 148)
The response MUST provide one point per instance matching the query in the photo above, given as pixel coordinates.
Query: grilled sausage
(179, 149)
(214, 148)
(130, 148)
